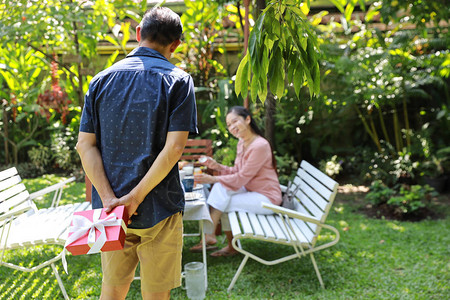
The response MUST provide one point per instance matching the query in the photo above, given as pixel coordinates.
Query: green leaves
(347, 6)
(202, 24)
(282, 50)
(349, 9)
(242, 73)
(340, 4)
(276, 73)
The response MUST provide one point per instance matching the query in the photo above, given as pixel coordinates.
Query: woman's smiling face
(237, 125)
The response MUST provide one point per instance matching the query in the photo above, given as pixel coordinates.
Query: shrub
(411, 198)
(63, 148)
(379, 193)
(402, 200)
(332, 167)
(286, 165)
(26, 170)
(389, 166)
(40, 156)
(226, 154)
(377, 166)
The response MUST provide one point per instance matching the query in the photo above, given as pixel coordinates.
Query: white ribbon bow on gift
(81, 224)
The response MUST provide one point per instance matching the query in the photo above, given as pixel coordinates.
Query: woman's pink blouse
(253, 170)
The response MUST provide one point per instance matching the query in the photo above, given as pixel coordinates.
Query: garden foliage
(48, 55)
(402, 200)
(282, 47)
(380, 89)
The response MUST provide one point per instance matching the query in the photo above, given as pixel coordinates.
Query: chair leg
(61, 285)
(238, 272)
(317, 270)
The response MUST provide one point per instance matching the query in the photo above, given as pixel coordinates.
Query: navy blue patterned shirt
(130, 107)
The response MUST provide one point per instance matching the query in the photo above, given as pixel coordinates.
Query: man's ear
(138, 33)
(174, 45)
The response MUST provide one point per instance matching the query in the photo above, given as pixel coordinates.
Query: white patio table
(196, 210)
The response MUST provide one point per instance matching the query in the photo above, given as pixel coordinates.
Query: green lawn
(374, 259)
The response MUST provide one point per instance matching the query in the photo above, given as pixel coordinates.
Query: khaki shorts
(157, 249)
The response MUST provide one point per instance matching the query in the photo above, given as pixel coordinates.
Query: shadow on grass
(374, 259)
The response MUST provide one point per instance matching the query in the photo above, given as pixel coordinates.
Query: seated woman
(253, 179)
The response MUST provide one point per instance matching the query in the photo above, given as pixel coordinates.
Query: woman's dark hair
(161, 25)
(243, 112)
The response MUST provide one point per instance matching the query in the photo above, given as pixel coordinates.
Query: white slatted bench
(22, 225)
(299, 228)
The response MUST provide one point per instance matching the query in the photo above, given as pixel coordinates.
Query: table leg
(202, 232)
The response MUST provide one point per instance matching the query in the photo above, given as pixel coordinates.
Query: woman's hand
(205, 178)
(209, 162)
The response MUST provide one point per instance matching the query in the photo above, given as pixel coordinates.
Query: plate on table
(198, 186)
(192, 196)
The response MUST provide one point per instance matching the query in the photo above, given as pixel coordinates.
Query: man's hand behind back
(129, 201)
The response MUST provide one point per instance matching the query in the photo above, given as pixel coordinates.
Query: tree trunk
(405, 115)
(80, 76)
(367, 128)
(270, 102)
(397, 131)
(383, 125)
(5, 135)
(246, 36)
(15, 154)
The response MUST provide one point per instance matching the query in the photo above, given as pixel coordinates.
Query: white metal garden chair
(298, 228)
(22, 225)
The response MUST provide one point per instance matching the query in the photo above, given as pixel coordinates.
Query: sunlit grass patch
(73, 191)
(374, 259)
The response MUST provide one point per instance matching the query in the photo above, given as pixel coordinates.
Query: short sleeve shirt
(130, 107)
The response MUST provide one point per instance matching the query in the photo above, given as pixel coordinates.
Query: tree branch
(50, 57)
(238, 5)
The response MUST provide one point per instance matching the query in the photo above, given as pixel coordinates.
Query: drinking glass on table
(189, 169)
(197, 171)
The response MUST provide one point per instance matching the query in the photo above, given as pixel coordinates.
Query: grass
(374, 259)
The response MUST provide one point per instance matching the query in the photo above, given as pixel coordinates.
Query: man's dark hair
(161, 25)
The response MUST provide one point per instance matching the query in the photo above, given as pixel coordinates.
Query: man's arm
(93, 166)
(164, 162)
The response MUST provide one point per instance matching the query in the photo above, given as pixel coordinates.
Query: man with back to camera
(134, 126)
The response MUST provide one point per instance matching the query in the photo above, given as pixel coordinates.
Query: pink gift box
(115, 235)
